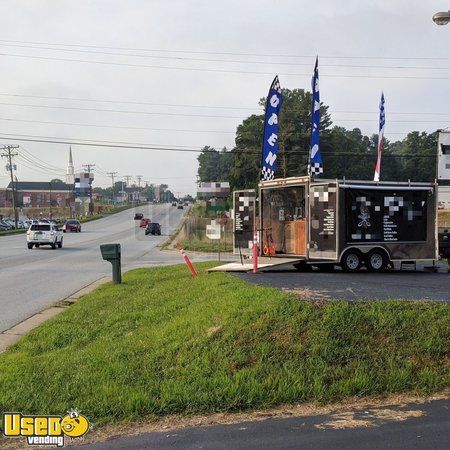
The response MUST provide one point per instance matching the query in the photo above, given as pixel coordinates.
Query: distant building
(213, 189)
(38, 194)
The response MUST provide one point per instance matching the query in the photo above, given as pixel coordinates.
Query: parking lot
(315, 285)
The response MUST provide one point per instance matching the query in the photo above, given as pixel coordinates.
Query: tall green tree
(294, 135)
(214, 165)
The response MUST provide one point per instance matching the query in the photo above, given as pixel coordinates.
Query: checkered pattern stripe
(316, 168)
(267, 174)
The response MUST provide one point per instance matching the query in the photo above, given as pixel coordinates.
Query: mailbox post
(111, 253)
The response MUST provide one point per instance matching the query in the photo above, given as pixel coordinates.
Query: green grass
(208, 245)
(164, 343)
(8, 232)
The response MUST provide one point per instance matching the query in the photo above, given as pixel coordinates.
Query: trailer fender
(365, 250)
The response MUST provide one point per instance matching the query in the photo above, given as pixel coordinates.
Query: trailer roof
(279, 182)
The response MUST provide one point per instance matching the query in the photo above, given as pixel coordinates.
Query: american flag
(376, 176)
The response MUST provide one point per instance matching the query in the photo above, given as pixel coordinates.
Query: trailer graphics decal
(322, 243)
(244, 212)
(386, 216)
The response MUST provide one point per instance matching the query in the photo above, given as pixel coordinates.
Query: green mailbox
(111, 253)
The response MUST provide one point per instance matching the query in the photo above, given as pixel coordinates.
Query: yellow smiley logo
(74, 425)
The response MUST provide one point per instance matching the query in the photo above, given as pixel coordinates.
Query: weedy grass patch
(165, 343)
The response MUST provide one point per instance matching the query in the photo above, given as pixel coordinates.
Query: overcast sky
(225, 45)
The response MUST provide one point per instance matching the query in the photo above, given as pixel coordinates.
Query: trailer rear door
(244, 220)
(323, 233)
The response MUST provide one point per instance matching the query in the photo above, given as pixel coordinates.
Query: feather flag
(270, 137)
(315, 158)
(376, 176)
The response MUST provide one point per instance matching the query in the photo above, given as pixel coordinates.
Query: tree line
(346, 153)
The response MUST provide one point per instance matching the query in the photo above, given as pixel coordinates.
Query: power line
(181, 105)
(277, 55)
(198, 69)
(138, 146)
(152, 113)
(121, 127)
(240, 61)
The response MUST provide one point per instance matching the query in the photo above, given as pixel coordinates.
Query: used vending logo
(45, 430)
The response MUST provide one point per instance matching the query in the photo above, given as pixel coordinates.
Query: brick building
(38, 194)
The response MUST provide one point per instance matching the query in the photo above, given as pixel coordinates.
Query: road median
(164, 343)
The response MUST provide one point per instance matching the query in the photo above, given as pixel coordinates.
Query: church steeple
(70, 176)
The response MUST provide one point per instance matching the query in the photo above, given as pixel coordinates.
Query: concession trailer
(347, 222)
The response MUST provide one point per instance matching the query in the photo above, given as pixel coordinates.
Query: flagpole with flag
(315, 165)
(270, 134)
(376, 176)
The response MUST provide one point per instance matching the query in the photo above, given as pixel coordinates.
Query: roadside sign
(213, 230)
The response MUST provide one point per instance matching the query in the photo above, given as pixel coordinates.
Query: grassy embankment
(164, 343)
(193, 233)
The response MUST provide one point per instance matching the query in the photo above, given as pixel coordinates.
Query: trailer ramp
(264, 263)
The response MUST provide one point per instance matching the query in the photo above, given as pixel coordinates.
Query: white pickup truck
(44, 234)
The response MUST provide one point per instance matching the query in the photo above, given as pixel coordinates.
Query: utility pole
(88, 168)
(112, 175)
(9, 154)
(127, 179)
(139, 178)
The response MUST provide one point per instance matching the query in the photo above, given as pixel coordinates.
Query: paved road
(317, 285)
(31, 280)
(414, 426)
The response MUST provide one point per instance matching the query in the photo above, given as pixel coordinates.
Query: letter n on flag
(270, 135)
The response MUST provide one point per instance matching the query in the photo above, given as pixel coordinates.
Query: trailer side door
(323, 226)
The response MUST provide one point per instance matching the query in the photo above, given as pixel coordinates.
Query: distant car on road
(138, 216)
(153, 228)
(144, 222)
(72, 225)
(44, 234)
(180, 206)
(174, 203)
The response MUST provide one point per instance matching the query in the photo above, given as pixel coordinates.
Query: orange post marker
(187, 260)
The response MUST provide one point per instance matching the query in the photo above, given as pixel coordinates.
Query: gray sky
(220, 32)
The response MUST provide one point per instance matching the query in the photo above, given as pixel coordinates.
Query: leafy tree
(214, 165)
(56, 180)
(294, 136)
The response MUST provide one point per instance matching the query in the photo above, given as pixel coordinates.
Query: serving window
(283, 220)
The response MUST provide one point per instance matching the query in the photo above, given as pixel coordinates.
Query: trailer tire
(376, 260)
(352, 260)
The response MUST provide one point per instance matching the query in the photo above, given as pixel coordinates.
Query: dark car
(444, 243)
(72, 225)
(138, 216)
(174, 203)
(153, 228)
(180, 206)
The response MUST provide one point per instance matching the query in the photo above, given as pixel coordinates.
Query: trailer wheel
(352, 260)
(376, 260)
